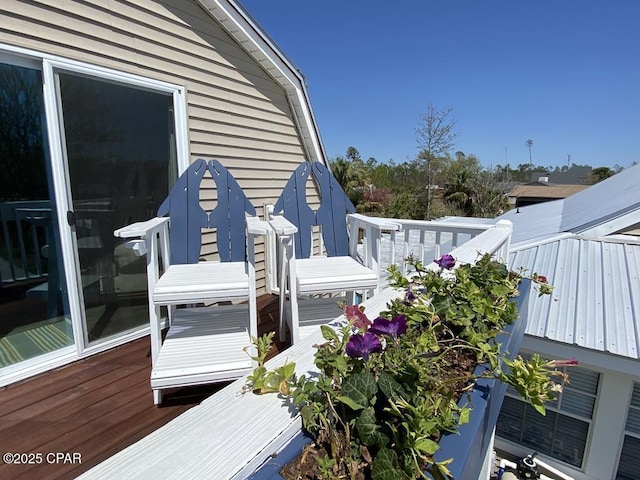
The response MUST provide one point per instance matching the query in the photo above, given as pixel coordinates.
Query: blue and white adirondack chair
(335, 267)
(204, 344)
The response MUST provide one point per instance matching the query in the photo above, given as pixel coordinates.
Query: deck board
(96, 406)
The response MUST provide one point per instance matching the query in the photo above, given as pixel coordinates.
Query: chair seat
(204, 345)
(202, 282)
(326, 274)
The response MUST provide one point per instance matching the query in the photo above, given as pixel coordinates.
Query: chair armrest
(255, 226)
(282, 226)
(376, 222)
(142, 229)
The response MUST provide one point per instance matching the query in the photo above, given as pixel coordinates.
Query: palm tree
(529, 144)
(351, 177)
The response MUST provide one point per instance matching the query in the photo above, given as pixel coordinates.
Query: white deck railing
(26, 227)
(381, 245)
(233, 432)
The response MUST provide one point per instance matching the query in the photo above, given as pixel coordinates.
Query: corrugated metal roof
(603, 201)
(596, 298)
(603, 208)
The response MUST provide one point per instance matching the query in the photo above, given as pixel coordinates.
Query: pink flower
(572, 362)
(356, 316)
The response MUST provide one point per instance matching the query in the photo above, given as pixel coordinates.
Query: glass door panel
(34, 311)
(120, 152)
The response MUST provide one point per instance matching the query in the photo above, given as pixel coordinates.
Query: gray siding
(237, 112)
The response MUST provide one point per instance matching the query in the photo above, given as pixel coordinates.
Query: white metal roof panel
(535, 221)
(602, 209)
(602, 202)
(596, 298)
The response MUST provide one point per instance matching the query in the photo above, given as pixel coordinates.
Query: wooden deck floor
(93, 408)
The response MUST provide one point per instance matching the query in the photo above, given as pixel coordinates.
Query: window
(564, 431)
(629, 464)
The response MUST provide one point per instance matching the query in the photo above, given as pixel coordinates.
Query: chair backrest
(188, 218)
(331, 216)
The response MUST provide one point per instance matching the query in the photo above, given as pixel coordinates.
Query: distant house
(574, 175)
(104, 104)
(545, 187)
(539, 192)
(588, 247)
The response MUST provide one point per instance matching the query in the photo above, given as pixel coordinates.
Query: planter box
(471, 447)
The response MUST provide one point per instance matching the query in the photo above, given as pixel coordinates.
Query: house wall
(236, 112)
(617, 377)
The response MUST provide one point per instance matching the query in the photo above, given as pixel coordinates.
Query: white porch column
(607, 429)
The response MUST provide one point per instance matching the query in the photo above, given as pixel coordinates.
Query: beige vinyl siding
(237, 112)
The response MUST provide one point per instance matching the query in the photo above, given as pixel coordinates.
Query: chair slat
(332, 214)
(293, 206)
(229, 215)
(188, 218)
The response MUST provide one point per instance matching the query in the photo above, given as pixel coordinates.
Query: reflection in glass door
(34, 310)
(120, 149)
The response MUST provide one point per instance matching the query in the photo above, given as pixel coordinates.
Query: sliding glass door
(119, 145)
(34, 309)
(83, 151)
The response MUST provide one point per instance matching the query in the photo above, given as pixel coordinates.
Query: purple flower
(363, 345)
(409, 297)
(393, 328)
(446, 262)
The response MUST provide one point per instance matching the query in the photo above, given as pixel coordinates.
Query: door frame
(49, 65)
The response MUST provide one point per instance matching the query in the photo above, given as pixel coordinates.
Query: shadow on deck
(94, 407)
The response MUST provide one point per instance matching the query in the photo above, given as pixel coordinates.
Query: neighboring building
(545, 187)
(539, 192)
(104, 104)
(588, 247)
(574, 175)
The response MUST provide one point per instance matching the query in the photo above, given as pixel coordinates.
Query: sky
(564, 73)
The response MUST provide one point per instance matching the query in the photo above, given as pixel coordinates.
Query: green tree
(473, 191)
(351, 174)
(435, 135)
(599, 174)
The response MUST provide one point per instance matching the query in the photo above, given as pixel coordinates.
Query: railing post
(503, 253)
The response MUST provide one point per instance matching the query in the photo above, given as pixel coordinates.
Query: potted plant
(389, 389)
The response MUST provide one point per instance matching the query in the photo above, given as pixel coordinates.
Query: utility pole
(529, 143)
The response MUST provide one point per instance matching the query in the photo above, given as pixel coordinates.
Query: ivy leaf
(368, 429)
(360, 388)
(390, 387)
(385, 466)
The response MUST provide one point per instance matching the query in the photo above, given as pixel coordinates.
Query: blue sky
(565, 74)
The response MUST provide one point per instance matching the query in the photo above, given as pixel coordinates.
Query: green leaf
(385, 466)
(288, 369)
(329, 333)
(350, 403)
(465, 413)
(427, 446)
(360, 387)
(368, 430)
(390, 387)
(540, 408)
